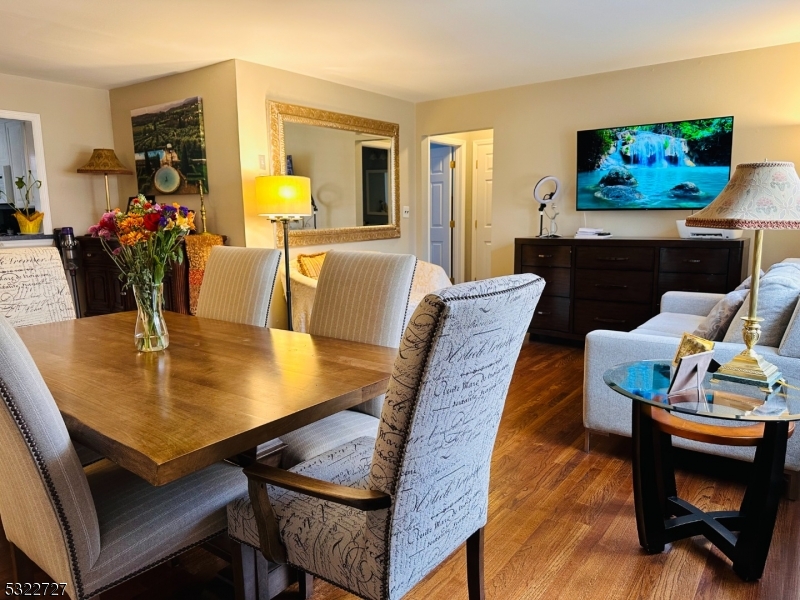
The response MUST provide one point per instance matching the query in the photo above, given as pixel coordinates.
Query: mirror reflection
(17, 158)
(349, 174)
(353, 166)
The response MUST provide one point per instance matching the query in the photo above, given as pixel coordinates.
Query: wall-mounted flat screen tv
(662, 166)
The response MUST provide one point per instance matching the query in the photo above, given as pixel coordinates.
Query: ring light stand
(544, 199)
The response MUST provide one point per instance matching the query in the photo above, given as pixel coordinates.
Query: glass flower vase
(151, 329)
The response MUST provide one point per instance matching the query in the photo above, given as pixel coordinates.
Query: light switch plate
(406, 212)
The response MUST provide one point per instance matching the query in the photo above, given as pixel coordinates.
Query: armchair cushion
(310, 265)
(311, 440)
(716, 324)
(777, 298)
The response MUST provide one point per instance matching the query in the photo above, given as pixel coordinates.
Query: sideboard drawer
(556, 280)
(592, 314)
(552, 313)
(621, 286)
(618, 258)
(692, 282)
(694, 260)
(547, 256)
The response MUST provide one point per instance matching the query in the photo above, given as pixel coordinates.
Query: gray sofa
(605, 411)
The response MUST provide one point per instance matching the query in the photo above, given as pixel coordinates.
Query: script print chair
(360, 297)
(237, 285)
(375, 517)
(97, 527)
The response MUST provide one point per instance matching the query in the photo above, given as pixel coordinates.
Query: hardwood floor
(561, 522)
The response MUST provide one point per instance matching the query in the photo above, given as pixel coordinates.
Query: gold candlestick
(202, 208)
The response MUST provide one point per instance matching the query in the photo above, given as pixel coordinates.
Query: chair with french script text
(376, 516)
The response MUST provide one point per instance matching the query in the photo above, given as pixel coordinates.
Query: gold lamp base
(749, 368)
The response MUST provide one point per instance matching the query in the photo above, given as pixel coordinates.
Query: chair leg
(243, 563)
(306, 581)
(22, 568)
(475, 565)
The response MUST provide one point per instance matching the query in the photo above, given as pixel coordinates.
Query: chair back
(33, 287)
(45, 502)
(237, 284)
(362, 297)
(441, 415)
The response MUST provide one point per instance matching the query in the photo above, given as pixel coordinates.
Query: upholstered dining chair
(375, 517)
(360, 297)
(97, 527)
(237, 284)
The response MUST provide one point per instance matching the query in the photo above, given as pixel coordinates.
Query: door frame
(474, 253)
(459, 199)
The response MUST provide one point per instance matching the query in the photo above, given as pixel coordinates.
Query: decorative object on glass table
(691, 344)
(545, 198)
(149, 237)
(690, 371)
(759, 196)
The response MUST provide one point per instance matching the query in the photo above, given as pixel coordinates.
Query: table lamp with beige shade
(104, 161)
(759, 196)
(284, 198)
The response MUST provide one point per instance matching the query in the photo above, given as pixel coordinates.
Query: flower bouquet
(149, 237)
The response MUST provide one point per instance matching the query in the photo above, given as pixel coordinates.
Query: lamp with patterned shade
(759, 196)
(103, 160)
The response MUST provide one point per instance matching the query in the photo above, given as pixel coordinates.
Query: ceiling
(411, 49)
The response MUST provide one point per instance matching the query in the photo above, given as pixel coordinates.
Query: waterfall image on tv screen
(678, 165)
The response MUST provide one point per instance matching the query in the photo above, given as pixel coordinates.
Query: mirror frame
(41, 171)
(279, 113)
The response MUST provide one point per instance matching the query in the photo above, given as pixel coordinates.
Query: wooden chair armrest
(366, 500)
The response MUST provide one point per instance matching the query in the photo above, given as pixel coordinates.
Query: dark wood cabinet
(618, 283)
(103, 287)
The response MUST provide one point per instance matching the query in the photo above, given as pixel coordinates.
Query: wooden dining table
(219, 389)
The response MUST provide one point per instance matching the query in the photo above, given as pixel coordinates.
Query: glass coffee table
(765, 420)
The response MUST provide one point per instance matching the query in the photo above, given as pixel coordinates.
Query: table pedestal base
(744, 536)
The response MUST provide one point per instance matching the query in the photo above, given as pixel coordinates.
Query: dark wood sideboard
(103, 287)
(617, 283)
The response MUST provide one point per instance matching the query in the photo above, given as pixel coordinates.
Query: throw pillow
(745, 285)
(310, 264)
(777, 298)
(718, 321)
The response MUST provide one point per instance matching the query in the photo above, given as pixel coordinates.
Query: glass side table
(766, 421)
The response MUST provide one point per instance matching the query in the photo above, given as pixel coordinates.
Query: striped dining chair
(238, 284)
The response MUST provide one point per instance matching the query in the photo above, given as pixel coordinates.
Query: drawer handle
(88, 254)
(545, 256)
(543, 312)
(692, 260)
(613, 258)
(605, 320)
(611, 286)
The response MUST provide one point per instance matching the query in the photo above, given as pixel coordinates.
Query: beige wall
(535, 130)
(74, 121)
(216, 85)
(256, 84)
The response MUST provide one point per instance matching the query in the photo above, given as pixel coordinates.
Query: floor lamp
(103, 160)
(759, 196)
(284, 198)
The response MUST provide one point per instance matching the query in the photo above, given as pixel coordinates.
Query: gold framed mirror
(354, 169)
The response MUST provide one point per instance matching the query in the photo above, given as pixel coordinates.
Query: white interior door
(482, 151)
(440, 206)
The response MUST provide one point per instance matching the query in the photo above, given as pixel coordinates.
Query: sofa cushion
(670, 324)
(790, 344)
(716, 324)
(777, 298)
(310, 265)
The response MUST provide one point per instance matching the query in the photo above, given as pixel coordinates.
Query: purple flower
(116, 251)
(184, 211)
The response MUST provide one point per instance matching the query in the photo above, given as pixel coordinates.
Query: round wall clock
(167, 180)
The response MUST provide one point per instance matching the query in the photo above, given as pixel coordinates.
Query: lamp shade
(759, 196)
(104, 161)
(283, 196)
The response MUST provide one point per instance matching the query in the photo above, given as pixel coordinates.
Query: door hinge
(452, 280)
(452, 224)
(452, 164)
(476, 163)
(476, 223)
